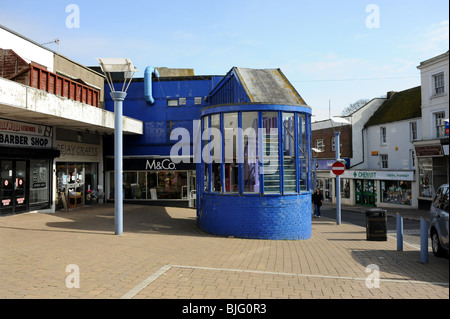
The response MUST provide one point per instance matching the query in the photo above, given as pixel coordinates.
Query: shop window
(171, 184)
(131, 189)
(345, 187)
(425, 177)
(270, 152)
(230, 126)
(39, 186)
(152, 184)
(396, 192)
(250, 147)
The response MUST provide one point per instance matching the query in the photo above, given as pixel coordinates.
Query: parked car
(439, 222)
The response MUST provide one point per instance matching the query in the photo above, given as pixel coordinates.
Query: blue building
(237, 147)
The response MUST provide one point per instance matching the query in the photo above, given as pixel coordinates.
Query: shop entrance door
(192, 190)
(14, 186)
(366, 192)
(324, 184)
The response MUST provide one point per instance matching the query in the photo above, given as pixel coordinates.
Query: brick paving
(162, 254)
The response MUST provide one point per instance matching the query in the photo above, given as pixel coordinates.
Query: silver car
(439, 222)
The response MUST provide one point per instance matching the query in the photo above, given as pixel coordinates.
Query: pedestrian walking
(317, 199)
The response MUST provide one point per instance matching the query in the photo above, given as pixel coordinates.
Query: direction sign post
(337, 167)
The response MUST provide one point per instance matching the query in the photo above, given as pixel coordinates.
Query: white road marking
(133, 292)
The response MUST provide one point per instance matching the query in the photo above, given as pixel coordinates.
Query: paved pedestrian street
(162, 254)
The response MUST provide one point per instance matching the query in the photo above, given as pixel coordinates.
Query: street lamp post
(124, 66)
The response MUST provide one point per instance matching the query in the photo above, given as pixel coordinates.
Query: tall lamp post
(125, 67)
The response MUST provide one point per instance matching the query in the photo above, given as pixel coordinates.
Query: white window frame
(413, 131)
(441, 87)
(412, 159)
(383, 138)
(333, 144)
(384, 159)
(198, 100)
(172, 102)
(320, 145)
(438, 125)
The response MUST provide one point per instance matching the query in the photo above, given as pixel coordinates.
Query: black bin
(376, 221)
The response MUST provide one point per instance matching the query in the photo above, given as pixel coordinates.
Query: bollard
(423, 241)
(399, 232)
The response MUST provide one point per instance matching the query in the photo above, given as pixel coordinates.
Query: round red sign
(338, 168)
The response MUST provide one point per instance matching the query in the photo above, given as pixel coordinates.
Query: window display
(396, 192)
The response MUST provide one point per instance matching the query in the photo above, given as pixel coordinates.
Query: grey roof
(268, 86)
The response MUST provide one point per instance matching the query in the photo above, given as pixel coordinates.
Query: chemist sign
(19, 134)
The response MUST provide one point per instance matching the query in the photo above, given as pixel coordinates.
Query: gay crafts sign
(18, 134)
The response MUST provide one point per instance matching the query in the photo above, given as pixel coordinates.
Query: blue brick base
(256, 216)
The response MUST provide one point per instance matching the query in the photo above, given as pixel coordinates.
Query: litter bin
(376, 221)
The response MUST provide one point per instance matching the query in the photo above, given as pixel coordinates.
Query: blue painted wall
(159, 119)
(254, 216)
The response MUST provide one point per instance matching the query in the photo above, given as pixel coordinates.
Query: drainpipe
(148, 83)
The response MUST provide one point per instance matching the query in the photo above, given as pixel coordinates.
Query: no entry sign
(338, 168)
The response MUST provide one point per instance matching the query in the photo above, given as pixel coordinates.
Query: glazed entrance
(13, 188)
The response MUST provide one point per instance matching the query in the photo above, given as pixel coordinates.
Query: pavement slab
(162, 254)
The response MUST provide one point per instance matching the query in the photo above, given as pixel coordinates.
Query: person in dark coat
(317, 199)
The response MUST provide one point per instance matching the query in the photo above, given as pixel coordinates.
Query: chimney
(390, 94)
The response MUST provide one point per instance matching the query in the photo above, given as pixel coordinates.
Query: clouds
(429, 41)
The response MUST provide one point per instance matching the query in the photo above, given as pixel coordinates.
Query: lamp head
(118, 65)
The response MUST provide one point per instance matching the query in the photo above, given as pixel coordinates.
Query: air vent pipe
(148, 83)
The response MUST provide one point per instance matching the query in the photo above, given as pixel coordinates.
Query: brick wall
(327, 134)
(13, 67)
(262, 217)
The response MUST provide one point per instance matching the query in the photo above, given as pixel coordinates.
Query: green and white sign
(379, 175)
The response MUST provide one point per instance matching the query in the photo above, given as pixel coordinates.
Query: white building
(352, 148)
(433, 148)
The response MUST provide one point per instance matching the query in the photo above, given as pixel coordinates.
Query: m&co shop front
(26, 161)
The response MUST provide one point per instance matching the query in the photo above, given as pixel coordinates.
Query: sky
(333, 52)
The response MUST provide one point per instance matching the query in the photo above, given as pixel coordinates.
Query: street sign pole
(338, 180)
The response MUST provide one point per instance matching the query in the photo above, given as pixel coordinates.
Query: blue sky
(325, 48)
